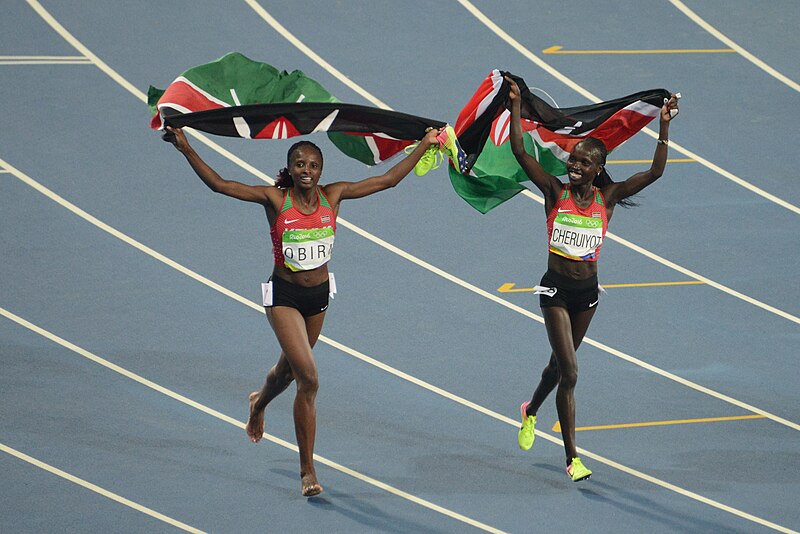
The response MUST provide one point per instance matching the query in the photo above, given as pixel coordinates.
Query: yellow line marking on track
(97, 489)
(509, 287)
(657, 284)
(221, 416)
(725, 40)
(560, 50)
(516, 45)
(646, 161)
(557, 426)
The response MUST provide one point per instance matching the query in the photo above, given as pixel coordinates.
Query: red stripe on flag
(483, 95)
(184, 95)
(389, 147)
(618, 128)
(566, 142)
(280, 128)
(621, 126)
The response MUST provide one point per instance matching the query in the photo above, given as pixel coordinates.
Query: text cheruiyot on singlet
(577, 233)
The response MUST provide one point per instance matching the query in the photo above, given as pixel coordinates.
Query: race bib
(304, 250)
(576, 237)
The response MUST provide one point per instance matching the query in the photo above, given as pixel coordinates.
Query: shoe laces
(410, 148)
(436, 154)
(432, 151)
(527, 422)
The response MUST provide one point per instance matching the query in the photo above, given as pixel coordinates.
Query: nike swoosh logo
(290, 221)
(593, 304)
(563, 211)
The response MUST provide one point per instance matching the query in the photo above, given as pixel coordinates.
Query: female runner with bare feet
(302, 219)
(577, 218)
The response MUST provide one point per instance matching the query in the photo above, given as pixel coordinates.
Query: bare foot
(255, 421)
(310, 485)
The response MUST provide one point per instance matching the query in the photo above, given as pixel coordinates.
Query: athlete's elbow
(391, 181)
(223, 187)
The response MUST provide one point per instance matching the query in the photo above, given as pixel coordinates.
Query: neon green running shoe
(526, 434)
(431, 159)
(577, 471)
(448, 143)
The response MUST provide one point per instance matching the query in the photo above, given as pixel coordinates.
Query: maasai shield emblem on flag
(550, 134)
(235, 96)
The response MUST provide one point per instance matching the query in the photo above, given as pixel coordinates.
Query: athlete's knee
(307, 382)
(569, 377)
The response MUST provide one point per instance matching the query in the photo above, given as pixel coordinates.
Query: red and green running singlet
(577, 233)
(303, 242)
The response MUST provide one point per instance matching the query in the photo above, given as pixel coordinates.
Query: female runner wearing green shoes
(302, 219)
(577, 219)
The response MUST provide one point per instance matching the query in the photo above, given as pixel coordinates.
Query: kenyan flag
(483, 127)
(237, 97)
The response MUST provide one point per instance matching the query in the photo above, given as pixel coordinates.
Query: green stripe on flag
(354, 146)
(546, 157)
(253, 82)
(499, 176)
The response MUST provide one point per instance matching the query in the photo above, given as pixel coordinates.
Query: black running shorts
(565, 292)
(307, 300)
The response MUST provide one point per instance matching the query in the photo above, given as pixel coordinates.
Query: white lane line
(444, 274)
(730, 43)
(446, 394)
(221, 416)
(249, 168)
(45, 63)
(313, 55)
(44, 60)
(516, 45)
(97, 489)
(85, 52)
(325, 65)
